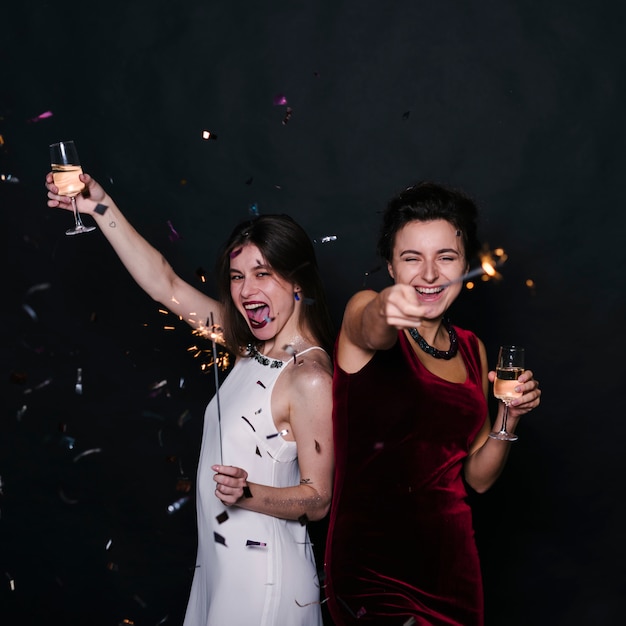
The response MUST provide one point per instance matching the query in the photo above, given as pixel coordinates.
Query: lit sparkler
(217, 332)
(489, 260)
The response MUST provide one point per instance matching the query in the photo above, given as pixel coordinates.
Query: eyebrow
(259, 266)
(443, 250)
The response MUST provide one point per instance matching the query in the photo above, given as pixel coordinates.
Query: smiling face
(426, 255)
(264, 299)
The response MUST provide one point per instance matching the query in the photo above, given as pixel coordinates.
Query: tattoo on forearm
(112, 225)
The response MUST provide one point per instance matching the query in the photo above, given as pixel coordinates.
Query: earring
(296, 296)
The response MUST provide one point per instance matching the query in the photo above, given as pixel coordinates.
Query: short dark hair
(424, 202)
(288, 250)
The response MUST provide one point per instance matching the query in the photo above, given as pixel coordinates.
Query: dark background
(519, 103)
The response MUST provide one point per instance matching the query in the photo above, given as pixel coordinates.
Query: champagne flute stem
(504, 417)
(79, 222)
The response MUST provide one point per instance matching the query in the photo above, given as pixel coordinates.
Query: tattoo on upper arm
(305, 481)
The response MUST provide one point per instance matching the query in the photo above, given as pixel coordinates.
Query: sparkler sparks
(489, 260)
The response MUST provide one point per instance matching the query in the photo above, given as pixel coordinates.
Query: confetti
(222, 517)
(251, 543)
(373, 270)
(173, 236)
(31, 312)
(219, 539)
(140, 601)
(38, 287)
(9, 178)
(78, 387)
(280, 433)
(177, 504)
(183, 485)
(253, 209)
(67, 442)
(42, 116)
(87, 453)
(249, 423)
(184, 417)
(280, 100)
(207, 134)
(287, 116)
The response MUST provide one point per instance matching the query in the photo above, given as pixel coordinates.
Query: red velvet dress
(401, 541)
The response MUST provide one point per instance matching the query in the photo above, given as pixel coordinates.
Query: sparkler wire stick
(217, 385)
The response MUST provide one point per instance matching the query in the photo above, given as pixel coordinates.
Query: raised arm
(145, 264)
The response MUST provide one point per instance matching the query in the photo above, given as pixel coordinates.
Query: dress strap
(311, 348)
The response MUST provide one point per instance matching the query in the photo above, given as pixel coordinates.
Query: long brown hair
(288, 250)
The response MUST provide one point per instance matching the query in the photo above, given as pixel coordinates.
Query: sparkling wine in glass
(509, 368)
(65, 170)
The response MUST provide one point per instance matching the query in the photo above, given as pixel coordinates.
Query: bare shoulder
(310, 371)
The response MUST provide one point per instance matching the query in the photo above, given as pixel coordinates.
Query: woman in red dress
(411, 426)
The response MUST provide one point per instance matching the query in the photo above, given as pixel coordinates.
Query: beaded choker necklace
(438, 354)
(262, 359)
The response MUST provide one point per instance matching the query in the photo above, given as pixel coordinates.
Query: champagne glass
(65, 170)
(509, 368)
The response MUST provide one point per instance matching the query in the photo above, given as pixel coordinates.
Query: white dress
(252, 569)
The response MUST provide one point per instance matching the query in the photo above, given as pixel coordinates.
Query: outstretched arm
(145, 264)
(371, 322)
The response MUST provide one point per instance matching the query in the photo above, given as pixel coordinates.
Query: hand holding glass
(509, 368)
(65, 171)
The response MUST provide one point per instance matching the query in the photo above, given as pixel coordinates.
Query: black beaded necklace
(438, 354)
(262, 359)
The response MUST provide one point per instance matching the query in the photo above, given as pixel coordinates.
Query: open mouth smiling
(258, 314)
(429, 291)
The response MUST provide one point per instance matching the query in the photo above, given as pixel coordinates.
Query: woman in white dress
(266, 460)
